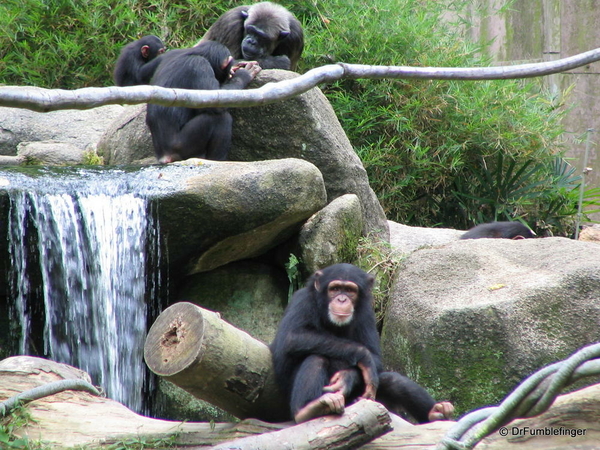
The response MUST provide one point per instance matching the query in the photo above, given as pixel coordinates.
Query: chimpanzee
(499, 230)
(264, 32)
(132, 64)
(326, 352)
(182, 133)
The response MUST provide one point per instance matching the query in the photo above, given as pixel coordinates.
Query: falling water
(80, 256)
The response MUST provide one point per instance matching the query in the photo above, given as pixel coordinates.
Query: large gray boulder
(331, 235)
(471, 319)
(406, 239)
(81, 128)
(127, 140)
(227, 211)
(306, 127)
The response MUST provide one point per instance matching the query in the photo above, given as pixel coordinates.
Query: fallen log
(77, 418)
(80, 419)
(360, 424)
(195, 349)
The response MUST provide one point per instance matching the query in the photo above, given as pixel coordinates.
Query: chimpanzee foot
(441, 411)
(330, 403)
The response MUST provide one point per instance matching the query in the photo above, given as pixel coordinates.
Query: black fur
(499, 230)
(181, 133)
(131, 65)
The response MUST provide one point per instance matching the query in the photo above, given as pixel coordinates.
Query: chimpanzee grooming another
(131, 66)
(264, 32)
(326, 352)
(181, 133)
(499, 230)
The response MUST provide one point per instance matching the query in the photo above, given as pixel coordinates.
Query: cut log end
(173, 342)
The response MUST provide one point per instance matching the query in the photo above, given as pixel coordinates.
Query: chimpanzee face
(256, 43)
(343, 296)
(340, 289)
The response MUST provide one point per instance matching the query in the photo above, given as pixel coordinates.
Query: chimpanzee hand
(342, 382)
(252, 67)
(441, 411)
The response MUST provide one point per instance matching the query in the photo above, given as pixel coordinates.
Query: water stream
(83, 252)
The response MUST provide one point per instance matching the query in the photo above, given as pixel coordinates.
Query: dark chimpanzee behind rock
(499, 230)
(326, 352)
(264, 32)
(181, 133)
(132, 63)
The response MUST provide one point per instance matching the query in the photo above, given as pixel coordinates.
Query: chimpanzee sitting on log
(326, 352)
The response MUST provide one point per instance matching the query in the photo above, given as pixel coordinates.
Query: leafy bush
(71, 44)
(438, 153)
(444, 153)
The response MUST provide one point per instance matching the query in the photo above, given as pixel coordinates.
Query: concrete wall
(545, 30)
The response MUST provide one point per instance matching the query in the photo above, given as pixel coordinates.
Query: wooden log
(195, 349)
(361, 423)
(80, 419)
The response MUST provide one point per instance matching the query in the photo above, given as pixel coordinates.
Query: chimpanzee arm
(301, 343)
(305, 342)
(344, 381)
(148, 69)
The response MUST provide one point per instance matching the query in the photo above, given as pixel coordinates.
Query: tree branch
(43, 100)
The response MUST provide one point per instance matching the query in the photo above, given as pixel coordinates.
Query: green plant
(18, 418)
(292, 268)
(67, 44)
(146, 443)
(378, 259)
(91, 158)
(500, 190)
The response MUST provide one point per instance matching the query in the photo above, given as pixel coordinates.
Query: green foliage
(378, 259)
(438, 153)
(91, 158)
(70, 44)
(443, 153)
(292, 268)
(142, 443)
(18, 418)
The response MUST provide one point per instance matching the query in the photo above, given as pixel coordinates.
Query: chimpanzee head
(150, 47)
(265, 26)
(218, 56)
(342, 289)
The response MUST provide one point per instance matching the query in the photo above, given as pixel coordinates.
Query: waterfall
(80, 272)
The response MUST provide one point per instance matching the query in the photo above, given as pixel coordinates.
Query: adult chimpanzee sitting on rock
(181, 133)
(265, 32)
(326, 352)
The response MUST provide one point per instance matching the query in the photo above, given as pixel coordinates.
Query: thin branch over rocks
(43, 100)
